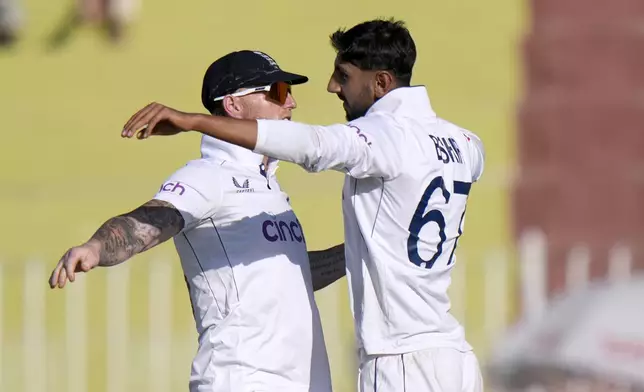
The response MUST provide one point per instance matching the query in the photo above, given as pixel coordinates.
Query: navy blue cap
(245, 68)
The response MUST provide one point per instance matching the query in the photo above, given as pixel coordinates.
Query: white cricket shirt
(245, 261)
(408, 178)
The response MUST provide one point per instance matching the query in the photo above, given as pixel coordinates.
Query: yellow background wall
(65, 169)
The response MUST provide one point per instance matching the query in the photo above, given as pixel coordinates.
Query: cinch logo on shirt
(173, 187)
(361, 135)
(279, 230)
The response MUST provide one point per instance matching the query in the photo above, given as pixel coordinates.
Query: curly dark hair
(378, 45)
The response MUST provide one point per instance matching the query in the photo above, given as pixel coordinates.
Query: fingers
(62, 278)
(152, 123)
(134, 118)
(144, 120)
(84, 266)
(53, 279)
(70, 265)
(65, 269)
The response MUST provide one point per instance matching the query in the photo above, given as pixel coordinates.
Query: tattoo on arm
(327, 266)
(136, 231)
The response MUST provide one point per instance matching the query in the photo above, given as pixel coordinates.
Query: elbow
(313, 155)
(311, 163)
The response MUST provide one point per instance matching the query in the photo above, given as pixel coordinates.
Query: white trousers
(431, 370)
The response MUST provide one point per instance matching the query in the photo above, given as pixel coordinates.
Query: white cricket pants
(431, 370)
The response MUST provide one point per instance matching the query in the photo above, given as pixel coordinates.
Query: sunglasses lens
(279, 92)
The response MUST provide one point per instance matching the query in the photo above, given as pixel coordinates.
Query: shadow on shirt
(233, 269)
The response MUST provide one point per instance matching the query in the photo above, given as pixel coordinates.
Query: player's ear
(384, 82)
(232, 107)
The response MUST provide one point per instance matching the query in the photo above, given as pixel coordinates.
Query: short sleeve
(194, 190)
(477, 154)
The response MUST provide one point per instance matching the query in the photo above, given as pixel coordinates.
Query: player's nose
(333, 87)
(290, 102)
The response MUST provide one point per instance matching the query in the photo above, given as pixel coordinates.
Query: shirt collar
(212, 148)
(405, 101)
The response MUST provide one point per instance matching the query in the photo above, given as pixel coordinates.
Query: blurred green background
(65, 168)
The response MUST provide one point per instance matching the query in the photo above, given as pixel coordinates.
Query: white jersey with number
(408, 178)
(245, 261)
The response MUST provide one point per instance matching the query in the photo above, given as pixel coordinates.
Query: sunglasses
(277, 92)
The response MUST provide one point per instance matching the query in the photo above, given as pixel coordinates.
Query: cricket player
(408, 177)
(242, 248)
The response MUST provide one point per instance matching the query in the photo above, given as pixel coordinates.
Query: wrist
(195, 121)
(94, 245)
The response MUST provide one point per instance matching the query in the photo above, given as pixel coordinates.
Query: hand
(157, 119)
(78, 259)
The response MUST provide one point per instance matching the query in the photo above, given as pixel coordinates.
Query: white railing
(44, 353)
(533, 264)
(97, 340)
(117, 334)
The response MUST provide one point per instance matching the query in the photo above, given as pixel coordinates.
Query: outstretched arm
(364, 148)
(120, 238)
(327, 266)
(137, 231)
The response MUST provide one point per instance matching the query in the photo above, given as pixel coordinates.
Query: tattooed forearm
(126, 235)
(327, 266)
